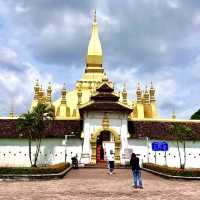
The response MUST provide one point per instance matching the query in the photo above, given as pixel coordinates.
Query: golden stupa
(67, 106)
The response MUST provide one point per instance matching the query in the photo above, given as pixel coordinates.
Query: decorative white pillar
(85, 157)
(124, 137)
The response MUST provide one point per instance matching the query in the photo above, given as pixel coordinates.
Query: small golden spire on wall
(139, 93)
(49, 91)
(36, 89)
(40, 94)
(152, 93)
(146, 96)
(105, 121)
(63, 94)
(124, 95)
(79, 94)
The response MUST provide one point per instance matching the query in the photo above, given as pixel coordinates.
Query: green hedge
(50, 169)
(192, 172)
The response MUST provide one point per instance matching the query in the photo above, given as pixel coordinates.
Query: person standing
(136, 170)
(111, 161)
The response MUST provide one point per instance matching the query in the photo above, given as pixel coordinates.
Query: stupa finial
(94, 15)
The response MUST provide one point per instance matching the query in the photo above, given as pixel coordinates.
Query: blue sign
(160, 146)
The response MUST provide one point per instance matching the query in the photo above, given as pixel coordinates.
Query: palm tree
(43, 115)
(33, 125)
(25, 128)
(181, 133)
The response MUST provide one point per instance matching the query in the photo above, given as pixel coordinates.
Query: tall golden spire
(36, 89)
(49, 91)
(146, 96)
(94, 58)
(124, 95)
(79, 94)
(139, 93)
(41, 95)
(152, 93)
(63, 94)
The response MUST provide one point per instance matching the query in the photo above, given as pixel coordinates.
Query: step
(104, 166)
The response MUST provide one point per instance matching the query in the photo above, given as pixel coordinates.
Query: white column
(85, 157)
(124, 136)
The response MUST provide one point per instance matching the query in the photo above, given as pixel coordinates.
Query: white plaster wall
(15, 152)
(94, 121)
(144, 150)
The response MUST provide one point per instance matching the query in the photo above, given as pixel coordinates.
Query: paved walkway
(96, 184)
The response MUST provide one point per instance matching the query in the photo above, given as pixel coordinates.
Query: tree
(43, 115)
(196, 115)
(33, 125)
(181, 133)
(25, 128)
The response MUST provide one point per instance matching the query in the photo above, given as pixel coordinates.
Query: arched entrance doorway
(105, 143)
(99, 139)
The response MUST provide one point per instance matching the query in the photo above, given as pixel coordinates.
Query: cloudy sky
(146, 40)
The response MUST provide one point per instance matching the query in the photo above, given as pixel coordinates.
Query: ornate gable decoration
(105, 87)
(105, 99)
(105, 92)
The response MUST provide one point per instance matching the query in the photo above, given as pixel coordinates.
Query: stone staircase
(104, 165)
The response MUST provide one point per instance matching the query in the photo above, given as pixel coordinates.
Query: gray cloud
(16, 82)
(146, 33)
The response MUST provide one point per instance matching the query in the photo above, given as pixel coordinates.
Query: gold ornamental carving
(117, 140)
(105, 121)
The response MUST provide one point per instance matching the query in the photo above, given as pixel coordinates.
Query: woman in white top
(111, 160)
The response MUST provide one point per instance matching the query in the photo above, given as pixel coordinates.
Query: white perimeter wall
(144, 150)
(15, 152)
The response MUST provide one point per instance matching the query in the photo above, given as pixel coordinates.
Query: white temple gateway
(95, 119)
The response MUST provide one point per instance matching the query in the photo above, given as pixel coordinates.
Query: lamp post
(147, 145)
(66, 139)
(65, 148)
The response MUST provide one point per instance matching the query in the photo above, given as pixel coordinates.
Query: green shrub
(49, 169)
(192, 172)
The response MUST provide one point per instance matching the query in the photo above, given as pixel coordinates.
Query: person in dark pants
(136, 170)
(111, 160)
